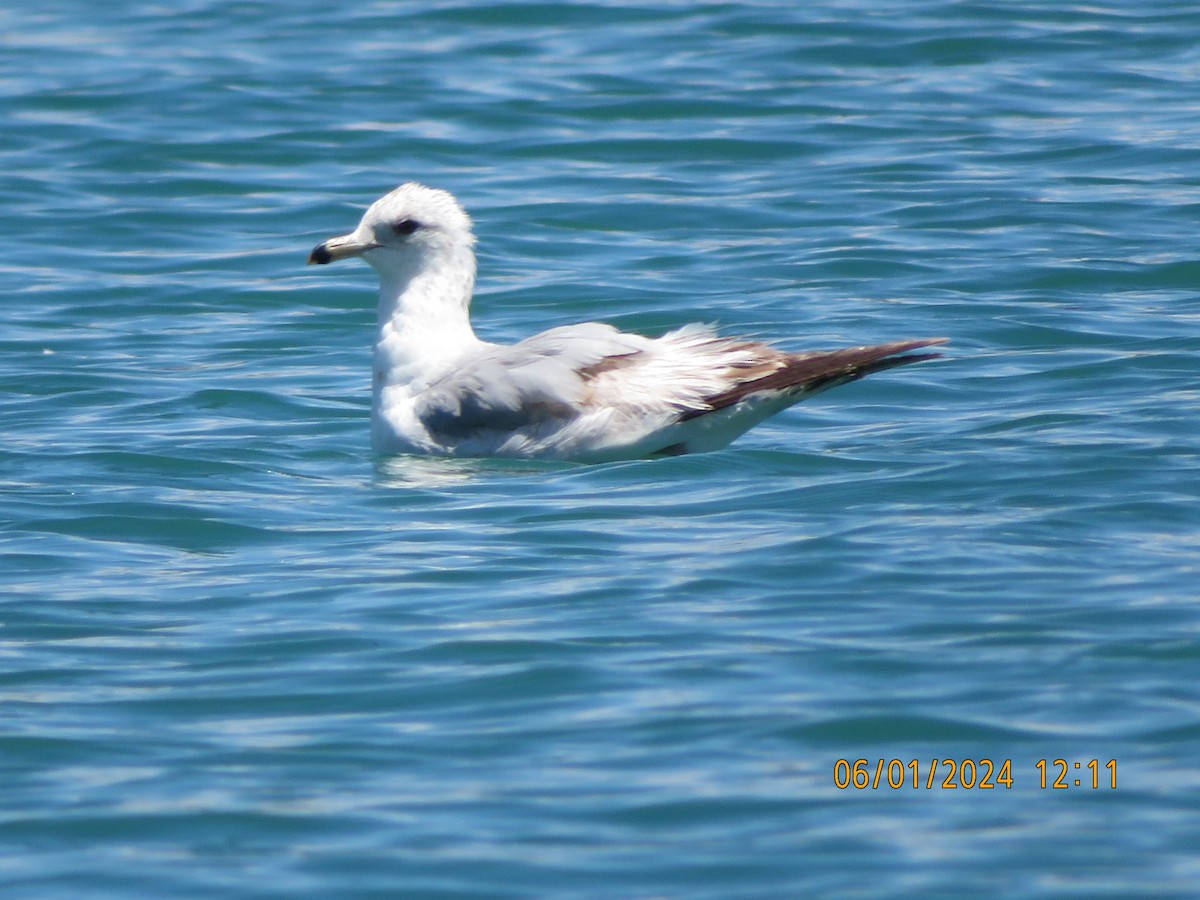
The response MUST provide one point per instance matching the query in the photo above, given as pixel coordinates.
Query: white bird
(584, 392)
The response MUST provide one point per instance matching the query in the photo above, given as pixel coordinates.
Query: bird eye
(406, 226)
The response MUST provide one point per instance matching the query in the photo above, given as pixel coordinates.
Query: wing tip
(809, 373)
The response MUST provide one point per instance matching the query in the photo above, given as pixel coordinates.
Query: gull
(585, 392)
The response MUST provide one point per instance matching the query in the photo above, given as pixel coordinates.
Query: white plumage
(583, 392)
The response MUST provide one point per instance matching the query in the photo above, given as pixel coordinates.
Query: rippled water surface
(240, 656)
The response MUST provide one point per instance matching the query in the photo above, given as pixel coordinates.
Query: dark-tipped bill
(338, 248)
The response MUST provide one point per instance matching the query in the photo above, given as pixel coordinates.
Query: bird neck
(424, 317)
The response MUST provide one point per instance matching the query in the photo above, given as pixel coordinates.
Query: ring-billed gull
(583, 392)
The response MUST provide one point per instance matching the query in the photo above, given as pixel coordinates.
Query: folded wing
(591, 387)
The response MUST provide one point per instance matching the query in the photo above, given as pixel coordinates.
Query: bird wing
(593, 385)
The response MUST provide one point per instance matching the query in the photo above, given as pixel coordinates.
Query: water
(239, 656)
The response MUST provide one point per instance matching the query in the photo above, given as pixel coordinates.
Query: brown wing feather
(811, 372)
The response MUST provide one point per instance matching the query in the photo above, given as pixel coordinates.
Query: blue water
(240, 656)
